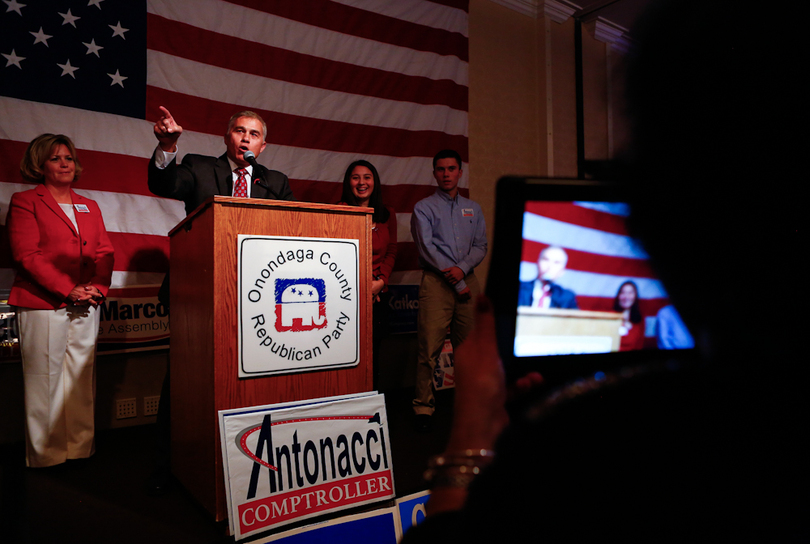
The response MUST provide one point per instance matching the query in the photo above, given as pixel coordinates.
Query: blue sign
(412, 510)
(404, 306)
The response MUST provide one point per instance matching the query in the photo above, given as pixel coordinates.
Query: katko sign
(289, 462)
(298, 304)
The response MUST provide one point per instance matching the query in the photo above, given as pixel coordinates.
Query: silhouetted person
(668, 450)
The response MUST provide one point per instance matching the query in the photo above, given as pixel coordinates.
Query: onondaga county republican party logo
(298, 304)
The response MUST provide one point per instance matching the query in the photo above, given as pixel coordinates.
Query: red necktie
(240, 189)
(541, 298)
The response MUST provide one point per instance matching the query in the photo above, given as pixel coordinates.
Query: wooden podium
(547, 331)
(204, 328)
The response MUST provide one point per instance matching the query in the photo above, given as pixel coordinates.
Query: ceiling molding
(614, 35)
(558, 11)
(526, 7)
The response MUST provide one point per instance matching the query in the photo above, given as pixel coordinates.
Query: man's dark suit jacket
(200, 177)
(560, 296)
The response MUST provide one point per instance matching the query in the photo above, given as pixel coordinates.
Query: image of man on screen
(543, 292)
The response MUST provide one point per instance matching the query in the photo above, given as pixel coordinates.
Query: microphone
(251, 159)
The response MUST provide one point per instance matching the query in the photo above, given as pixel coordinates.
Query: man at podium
(543, 292)
(199, 177)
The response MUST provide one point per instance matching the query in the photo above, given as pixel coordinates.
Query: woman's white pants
(58, 349)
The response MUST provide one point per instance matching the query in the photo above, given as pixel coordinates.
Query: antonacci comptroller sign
(289, 462)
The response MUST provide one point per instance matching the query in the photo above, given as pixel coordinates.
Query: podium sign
(293, 461)
(298, 304)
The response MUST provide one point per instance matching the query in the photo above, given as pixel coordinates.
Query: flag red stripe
(400, 197)
(306, 132)
(133, 252)
(101, 171)
(358, 22)
(113, 172)
(140, 252)
(458, 4)
(11, 154)
(305, 190)
(592, 262)
(144, 253)
(407, 256)
(127, 174)
(403, 197)
(577, 215)
(186, 41)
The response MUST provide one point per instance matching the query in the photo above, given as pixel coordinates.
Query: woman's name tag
(81, 208)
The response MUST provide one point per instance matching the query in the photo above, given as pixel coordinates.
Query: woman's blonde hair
(39, 151)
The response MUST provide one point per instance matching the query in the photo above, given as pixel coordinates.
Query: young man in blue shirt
(450, 234)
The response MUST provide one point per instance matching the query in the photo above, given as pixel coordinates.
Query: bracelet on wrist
(457, 469)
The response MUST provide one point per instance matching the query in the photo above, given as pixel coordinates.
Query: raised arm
(167, 131)
(165, 178)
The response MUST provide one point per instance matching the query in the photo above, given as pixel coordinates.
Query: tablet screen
(587, 286)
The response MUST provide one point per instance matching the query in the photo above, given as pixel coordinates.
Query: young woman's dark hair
(635, 311)
(375, 200)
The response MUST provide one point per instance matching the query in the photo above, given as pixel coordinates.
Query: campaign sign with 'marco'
(298, 304)
(289, 462)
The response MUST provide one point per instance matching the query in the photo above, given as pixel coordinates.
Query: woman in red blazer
(64, 264)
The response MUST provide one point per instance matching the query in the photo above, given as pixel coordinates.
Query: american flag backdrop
(601, 254)
(336, 80)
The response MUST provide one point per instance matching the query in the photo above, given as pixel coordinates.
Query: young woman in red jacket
(362, 187)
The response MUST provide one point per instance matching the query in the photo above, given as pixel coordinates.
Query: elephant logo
(300, 304)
